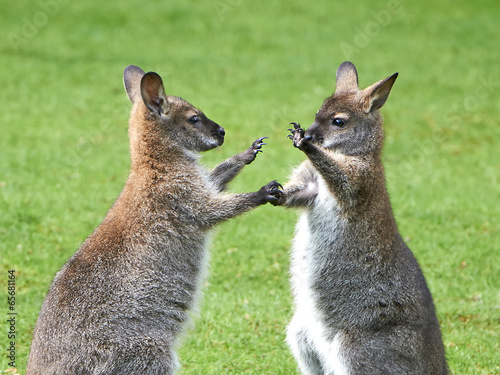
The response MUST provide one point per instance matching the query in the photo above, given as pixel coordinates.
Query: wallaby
(362, 305)
(120, 303)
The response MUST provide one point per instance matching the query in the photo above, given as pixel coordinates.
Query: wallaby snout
(216, 131)
(313, 134)
(221, 131)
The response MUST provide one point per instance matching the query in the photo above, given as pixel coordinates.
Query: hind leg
(303, 349)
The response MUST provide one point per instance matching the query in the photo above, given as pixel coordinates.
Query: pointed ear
(377, 94)
(132, 80)
(347, 78)
(153, 94)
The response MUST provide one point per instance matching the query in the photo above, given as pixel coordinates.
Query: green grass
(254, 66)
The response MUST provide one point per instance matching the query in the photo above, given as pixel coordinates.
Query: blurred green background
(254, 66)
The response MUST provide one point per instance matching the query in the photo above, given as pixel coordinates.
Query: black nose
(222, 131)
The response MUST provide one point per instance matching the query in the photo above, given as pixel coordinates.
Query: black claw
(295, 125)
(276, 186)
(259, 142)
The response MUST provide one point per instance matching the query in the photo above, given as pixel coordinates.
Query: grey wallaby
(120, 303)
(362, 305)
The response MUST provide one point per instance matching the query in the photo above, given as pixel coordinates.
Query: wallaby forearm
(225, 172)
(300, 193)
(223, 207)
(227, 207)
(302, 187)
(338, 171)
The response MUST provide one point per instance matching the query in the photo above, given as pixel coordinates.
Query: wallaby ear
(377, 94)
(153, 94)
(132, 81)
(347, 78)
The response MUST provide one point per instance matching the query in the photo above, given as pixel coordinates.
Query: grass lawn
(254, 66)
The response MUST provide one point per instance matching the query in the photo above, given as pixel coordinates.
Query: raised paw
(297, 136)
(273, 193)
(257, 145)
(249, 155)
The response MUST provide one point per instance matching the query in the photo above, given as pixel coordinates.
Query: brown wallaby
(362, 305)
(120, 303)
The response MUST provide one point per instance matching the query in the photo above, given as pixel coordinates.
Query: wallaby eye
(338, 122)
(194, 120)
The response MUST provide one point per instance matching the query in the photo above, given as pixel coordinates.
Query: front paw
(298, 136)
(273, 193)
(249, 155)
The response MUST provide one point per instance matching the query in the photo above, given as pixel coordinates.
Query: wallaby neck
(168, 162)
(155, 151)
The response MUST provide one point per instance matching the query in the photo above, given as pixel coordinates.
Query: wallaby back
(120, 303)
(362, 305)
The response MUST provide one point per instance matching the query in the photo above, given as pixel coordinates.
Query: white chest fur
(316, 228)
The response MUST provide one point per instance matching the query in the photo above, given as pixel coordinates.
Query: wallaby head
(349, 121)
(157, 117)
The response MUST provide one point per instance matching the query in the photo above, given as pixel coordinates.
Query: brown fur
(120, 303)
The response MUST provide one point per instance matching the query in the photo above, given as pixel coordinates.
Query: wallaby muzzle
(219, 134)
(312, 133)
